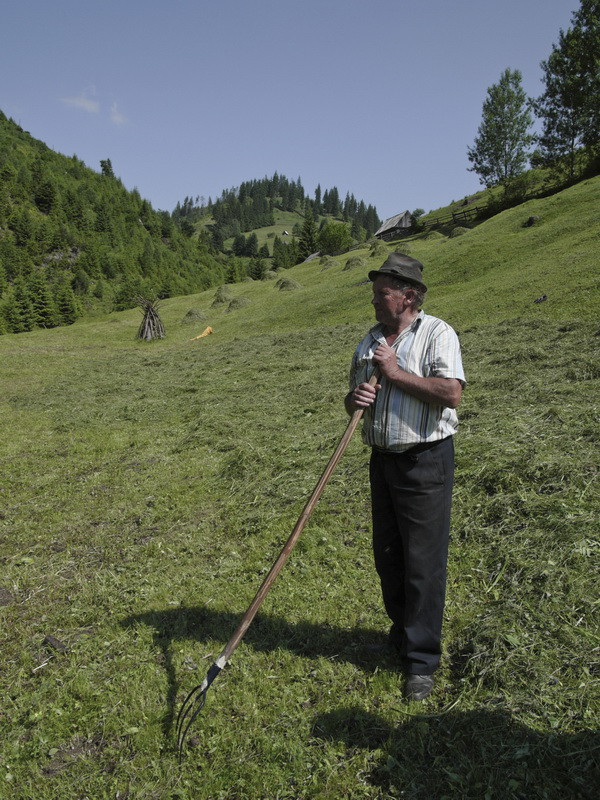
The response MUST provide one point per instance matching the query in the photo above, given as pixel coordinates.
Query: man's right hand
(363, 396)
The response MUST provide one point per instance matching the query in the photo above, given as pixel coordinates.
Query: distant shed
(395, 226)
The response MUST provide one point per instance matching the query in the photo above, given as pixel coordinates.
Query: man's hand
(362, 397)
(386, 359)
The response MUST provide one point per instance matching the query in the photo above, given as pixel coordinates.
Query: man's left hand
(386, 359)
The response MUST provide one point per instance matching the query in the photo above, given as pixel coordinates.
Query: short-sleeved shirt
(429, 347)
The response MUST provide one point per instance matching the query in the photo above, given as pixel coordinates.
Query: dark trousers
(411, 495)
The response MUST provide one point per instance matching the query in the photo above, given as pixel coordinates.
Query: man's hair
(401, 286)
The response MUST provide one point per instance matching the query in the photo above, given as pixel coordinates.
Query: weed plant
(147, 487)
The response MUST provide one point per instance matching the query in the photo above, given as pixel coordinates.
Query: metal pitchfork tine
(194, 702)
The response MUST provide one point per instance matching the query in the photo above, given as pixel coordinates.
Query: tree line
(568, 110)
(252, 205)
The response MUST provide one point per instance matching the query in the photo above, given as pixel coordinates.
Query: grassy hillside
(146, 488)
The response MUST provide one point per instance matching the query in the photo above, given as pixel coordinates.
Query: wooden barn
(395, 226)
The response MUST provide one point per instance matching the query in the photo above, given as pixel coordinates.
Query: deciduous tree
(570, 106)
(499, 152)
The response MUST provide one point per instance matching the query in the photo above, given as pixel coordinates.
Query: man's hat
(402, 267)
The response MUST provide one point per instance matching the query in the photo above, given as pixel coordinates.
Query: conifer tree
(44, 307)
(106, 168)
(66, 304)
(318, 206)
(19, 309)
(251, 248)
(308, 237)
(239, 244)
(257, 269)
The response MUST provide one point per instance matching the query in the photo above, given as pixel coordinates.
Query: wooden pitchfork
(194, 702)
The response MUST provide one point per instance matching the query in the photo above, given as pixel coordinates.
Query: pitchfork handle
(298, 528)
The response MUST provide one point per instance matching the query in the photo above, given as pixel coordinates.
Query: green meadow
(146, 489)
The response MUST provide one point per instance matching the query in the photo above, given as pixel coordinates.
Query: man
(409, 422)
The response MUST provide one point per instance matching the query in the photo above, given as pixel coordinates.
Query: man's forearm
(445, 392)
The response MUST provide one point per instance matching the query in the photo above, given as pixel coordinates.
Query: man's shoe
(418, 687)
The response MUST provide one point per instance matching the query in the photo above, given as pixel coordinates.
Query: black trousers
(411, 495)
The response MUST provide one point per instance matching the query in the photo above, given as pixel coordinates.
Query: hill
(74, 241)
(146, 488)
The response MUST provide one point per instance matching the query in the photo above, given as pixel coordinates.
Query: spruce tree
(19, 309)
(257, 269)
(499, 152)
(44, 307)
(66, 304)
(251, 248)
(308, 237)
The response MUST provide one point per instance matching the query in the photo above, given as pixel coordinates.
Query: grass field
(145, 489)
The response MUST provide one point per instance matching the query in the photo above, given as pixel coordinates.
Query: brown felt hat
(402, 267)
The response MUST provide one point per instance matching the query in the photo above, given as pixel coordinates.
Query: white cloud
(116, 116)
(83, 102)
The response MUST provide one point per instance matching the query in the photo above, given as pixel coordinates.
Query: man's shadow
(266, 633)
(477, 754)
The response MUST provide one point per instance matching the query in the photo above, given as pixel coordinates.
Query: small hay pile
(327, 262)
(223, 295)
(270, 274)
(287, 285)
(404, 249)
(192, 316)
(458, 231)
(378, 248)
(237, 302)
(151, 327)
(353, 262)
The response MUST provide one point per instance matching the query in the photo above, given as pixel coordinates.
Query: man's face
(388, 302)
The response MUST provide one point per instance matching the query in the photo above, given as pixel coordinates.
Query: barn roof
(403, 220)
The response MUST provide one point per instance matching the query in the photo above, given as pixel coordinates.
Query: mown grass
(146, 488)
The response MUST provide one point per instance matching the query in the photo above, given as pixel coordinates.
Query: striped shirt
(429, 347)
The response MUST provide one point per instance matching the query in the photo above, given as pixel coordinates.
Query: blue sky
(189, 97)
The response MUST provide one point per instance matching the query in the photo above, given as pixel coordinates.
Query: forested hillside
(72, 239)
(252, 205)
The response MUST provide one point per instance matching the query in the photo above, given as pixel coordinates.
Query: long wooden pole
(238, 635)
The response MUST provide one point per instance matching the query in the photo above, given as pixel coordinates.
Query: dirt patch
(64, 756)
